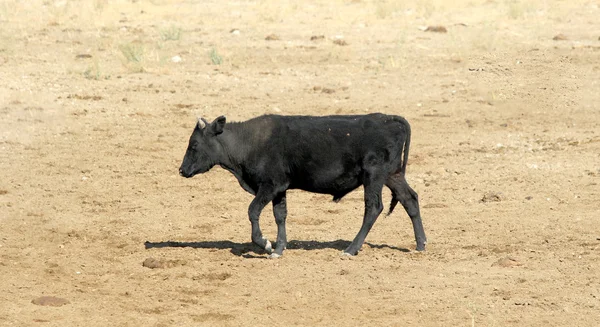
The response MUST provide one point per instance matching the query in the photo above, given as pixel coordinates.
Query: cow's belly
(331, 180)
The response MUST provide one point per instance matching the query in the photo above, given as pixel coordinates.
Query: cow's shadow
(250, 250)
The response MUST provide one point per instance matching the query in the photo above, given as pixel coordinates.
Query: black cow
(332, 155)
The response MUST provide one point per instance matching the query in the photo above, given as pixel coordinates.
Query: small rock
(507, 262)
(154, 263)
(436, 29)
(83, 56)
(176, 59)
(235, 31)
(328, 91)
(317, 37)
(341, 42)
(272, 37)
(529, 197)
(560, 37)
(51, 301)
(491, 197)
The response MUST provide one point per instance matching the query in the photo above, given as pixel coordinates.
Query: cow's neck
(235, 142)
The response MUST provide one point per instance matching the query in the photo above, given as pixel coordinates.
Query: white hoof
(274, 256)
(346, 254)
(269, 247)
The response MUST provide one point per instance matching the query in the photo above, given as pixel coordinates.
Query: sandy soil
(98, 98)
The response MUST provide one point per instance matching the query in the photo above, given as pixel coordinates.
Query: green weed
(215, 58)
(172, 33)
(134, 56)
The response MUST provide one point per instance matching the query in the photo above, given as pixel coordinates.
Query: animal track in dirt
(153, 263)
(212, 316)
(434, 205)
(311, 222)
(51, 301)
(205, 228)
(85, 97)
(213, 276)
(325, 90)
(491, 197)
(507, 262)
(560, 37)
(436, 29)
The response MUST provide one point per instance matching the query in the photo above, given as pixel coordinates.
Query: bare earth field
(98, 99)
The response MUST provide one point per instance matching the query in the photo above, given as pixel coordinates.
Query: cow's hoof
(268, 247)
(346, 255)
(274, 255)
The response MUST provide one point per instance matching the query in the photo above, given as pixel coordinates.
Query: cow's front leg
(280, 213)
(264, 196)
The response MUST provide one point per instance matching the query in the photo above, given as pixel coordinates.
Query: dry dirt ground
(98, 98)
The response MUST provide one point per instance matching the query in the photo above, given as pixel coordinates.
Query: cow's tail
(406, 144)
(404, 162)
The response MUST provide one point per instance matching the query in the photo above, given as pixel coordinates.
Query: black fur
(331, 155)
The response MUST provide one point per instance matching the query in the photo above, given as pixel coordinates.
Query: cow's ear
(218, 124)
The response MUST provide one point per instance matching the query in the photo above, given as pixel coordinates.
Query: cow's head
(203, 150)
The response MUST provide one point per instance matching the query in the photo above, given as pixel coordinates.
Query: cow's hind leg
(403, 193)
(373, 184)
(280, 213)
(263, 197)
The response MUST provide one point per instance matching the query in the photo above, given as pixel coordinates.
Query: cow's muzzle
(183, 174)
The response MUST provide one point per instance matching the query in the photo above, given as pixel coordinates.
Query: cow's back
(329, 136)
(328, 154)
